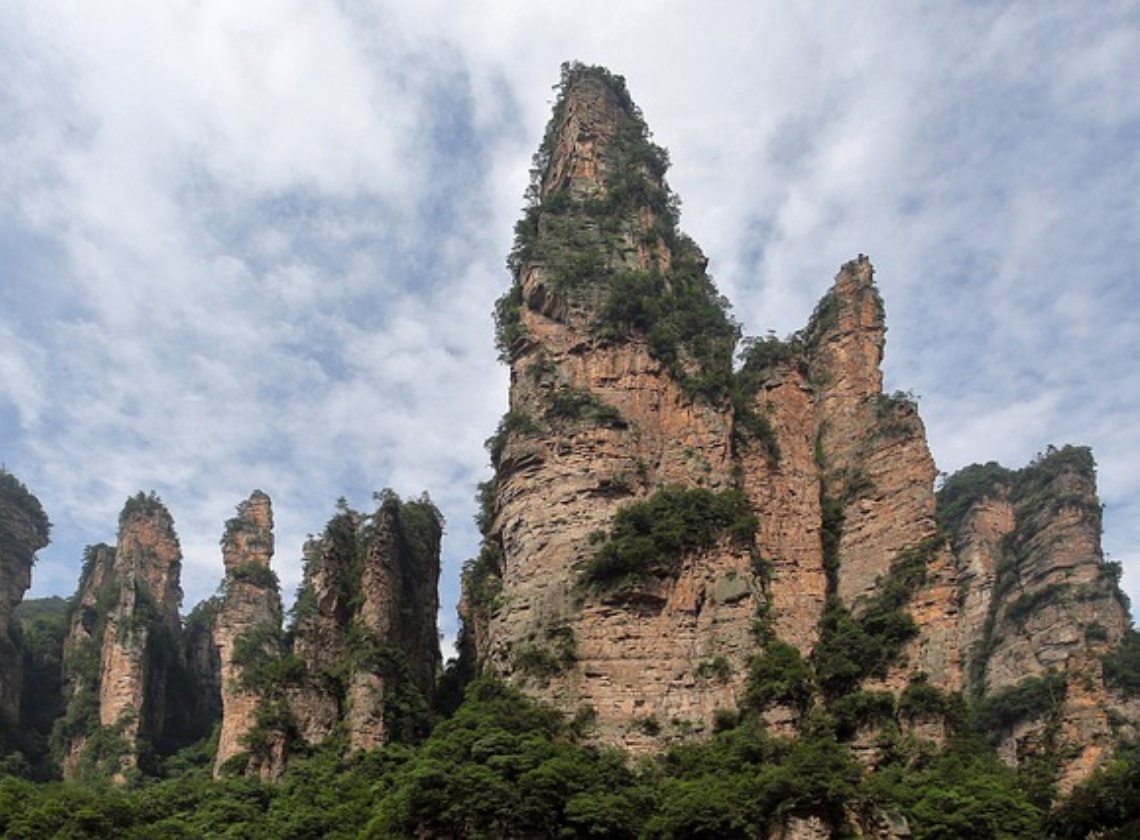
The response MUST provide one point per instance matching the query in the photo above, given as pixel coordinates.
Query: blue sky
(256, 245)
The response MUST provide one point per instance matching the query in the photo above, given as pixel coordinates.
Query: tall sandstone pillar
(24, 530)
(250, 614)
(123, 638)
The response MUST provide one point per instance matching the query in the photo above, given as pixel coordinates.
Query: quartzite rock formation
(24, 530)
(250, 612)
(624, 409)
(123, 641)
(670, 544)
(1039, 607)
(366, 621)
(361, 657)
(362, 654)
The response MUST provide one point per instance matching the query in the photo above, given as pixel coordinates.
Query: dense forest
(501, 766)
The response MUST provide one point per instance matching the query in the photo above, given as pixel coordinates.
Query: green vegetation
(581, 243)
(1122, 665)
(144, 505)
(1105, 806)
(780, 675)
(897, 414)
(1022, 607)
(684, 319)
(38, 629)
(922, 701)
(503, 766)
(758, 357)
(1031, 489)
(634, 178)
(348, 541)
(717, 669)
(256, 574)
(867, 643)
(20, 510)
(824, 319)
(966, 488)
(509, 328)
(648, 539)
(482, 579)
(761, 355)
(513, 423)
(575, 405)
(554, 654)
(1056, 479)
(1032, 698)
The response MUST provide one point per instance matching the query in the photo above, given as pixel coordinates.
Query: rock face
(613, 397)
(1041, 607)
(24, 530)
(623, 401)
(365, 623)
(362, 655)
(249, 614)
(601, 416)
(123, 642)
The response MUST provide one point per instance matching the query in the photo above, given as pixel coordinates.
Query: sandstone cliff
(24, 530)
(365, 625)
(622, 386)
(249, 615)
(814, 549)
(1040, 608)
(361, 656)
(123, 643)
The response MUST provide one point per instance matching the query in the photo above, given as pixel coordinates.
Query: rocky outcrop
(614, 396)
(360, 659)
(623, 401)
(24, 530)
(123, 643)
(396, 620)
(602, 416)
(1040, 607)
(82, 647)
(365, 632)
(249, 616)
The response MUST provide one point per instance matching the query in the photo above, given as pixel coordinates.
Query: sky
(256, 245)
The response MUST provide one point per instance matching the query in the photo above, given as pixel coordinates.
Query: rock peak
(248, 537)
(594, 122)
(24, 529)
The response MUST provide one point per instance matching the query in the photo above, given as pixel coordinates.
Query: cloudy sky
(256, 245)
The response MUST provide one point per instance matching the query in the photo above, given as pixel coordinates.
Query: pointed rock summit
(665, 537)
(249, 617)
(125, 626)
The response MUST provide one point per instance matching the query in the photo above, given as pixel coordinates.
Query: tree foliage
(648, 539)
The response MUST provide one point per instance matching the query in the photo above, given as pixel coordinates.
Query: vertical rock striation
(365, 628)
(625, 416)
(123, 644)
(620, 354)
(1041, 608)
(621, 387)
(81, 658)
(144, 621)
(249, 616)
(24, 530)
